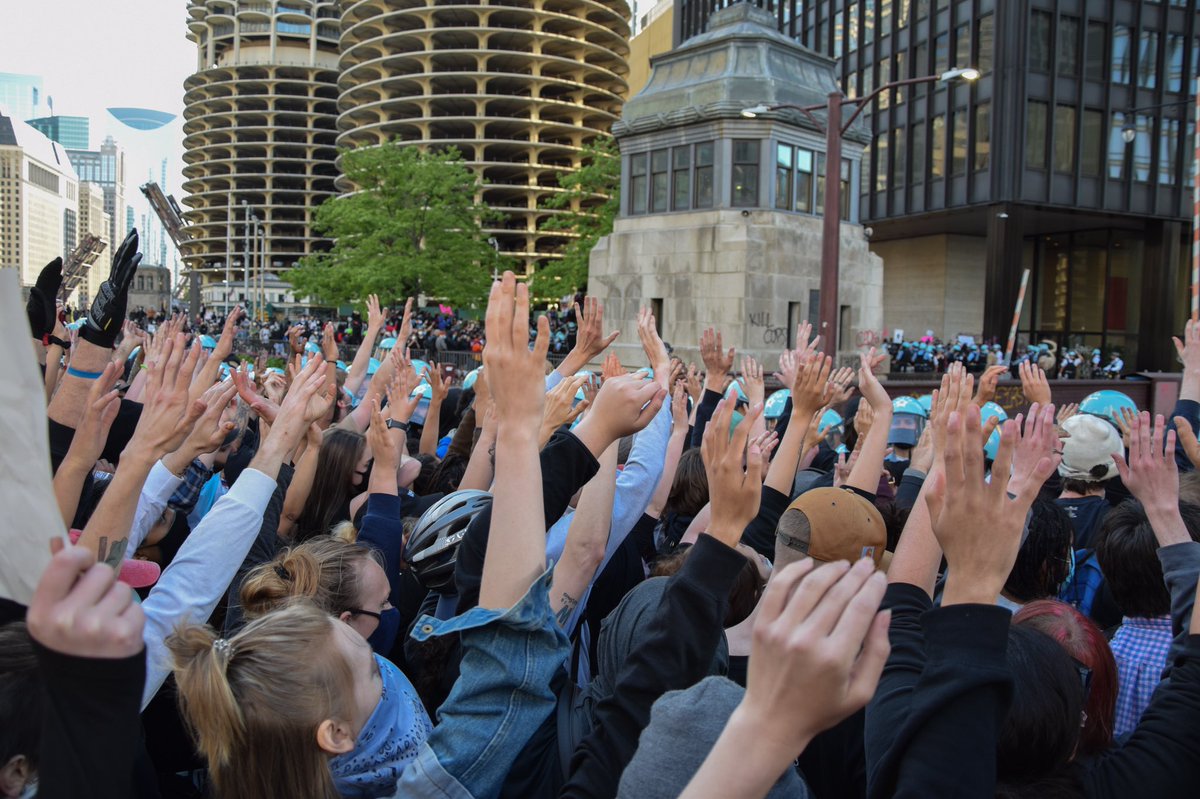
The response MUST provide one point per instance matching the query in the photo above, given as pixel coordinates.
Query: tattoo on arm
(568, 607)
(112, 555)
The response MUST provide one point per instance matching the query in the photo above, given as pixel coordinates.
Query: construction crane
(78, 263)
(171, 216)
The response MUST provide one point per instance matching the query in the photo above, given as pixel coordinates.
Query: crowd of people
(932, 355)
(597, 580)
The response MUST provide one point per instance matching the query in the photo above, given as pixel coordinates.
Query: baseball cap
(1087, 453)
(842, 525)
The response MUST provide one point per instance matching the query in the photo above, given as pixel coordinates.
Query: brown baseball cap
(842, 525)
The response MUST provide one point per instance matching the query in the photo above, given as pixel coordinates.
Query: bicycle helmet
(432, 547)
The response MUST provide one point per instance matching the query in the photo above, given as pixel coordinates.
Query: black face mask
(365, 474)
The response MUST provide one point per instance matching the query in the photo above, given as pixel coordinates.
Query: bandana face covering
(387, 743)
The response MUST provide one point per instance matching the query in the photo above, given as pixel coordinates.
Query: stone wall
(744, 273)
(933, 283)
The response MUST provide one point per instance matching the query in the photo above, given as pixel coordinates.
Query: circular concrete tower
(260, 125)
(517, 86)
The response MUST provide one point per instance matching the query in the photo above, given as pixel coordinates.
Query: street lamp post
(835, 129)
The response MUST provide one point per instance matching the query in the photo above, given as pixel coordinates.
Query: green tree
(589, 205)
(412, 226)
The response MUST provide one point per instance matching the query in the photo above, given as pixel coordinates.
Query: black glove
(40, 307)
(108, 309)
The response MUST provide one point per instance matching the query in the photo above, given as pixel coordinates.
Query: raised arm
(362, 358)
(437, 395)
(590, 340)
(589, 531)
(865, 474)
(675, 446)
(811, 391)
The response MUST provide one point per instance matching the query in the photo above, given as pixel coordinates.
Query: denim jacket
(510, 658)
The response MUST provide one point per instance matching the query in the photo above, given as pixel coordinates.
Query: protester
(351, 575)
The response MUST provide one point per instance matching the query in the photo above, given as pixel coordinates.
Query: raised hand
(515, 372)
(751, 380)
(820, 644)
(376, 316)
(1124, 421)
(383, 447)
(624, 405)
(40, 308)
(1150, 473)
(717, 361)
(811, 389)
(225, 343)
(210, 430)
(679, 409)
(108, 308)
(405, 332)
(1187, 439)
(80, 609)
(1066, 411)
(980, 555)
(168, 413)
(560, 406)
(695, 384)
(611, 367)
(735, 491)
(652, 345)
(872, 390)
(103, 403)
(329, 347)
(309, 398)
(401, 404)
(843, 385)
(590, 340)
(788, 368)
(267, 408)
(438, 386)
(987, 384)
(1188, 348)
(1033, 383)
(1038, 441)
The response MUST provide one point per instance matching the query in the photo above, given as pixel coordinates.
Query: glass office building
(70, 132)
(1071, 156)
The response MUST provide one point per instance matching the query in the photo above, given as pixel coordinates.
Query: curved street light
(834, 129)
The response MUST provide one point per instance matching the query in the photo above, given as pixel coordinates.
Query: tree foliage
(589, 205)
(412, 226)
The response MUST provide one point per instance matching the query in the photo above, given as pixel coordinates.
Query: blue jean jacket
(501, 698)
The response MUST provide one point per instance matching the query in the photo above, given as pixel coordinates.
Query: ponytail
(201, 660)
(324, 569)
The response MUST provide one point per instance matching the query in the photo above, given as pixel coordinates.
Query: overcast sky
(96, 54)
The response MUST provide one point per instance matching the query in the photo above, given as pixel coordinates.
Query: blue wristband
(73, 372)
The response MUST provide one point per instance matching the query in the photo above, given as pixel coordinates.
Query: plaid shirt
(185, 497)
(1140, 647)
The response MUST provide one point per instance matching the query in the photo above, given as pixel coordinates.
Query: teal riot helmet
(1107, 404)
(773, 408)
(908, 421)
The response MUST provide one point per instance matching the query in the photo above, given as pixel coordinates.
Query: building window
(885, 17)
(1089, 148)
(901, 74)
(902, 11)
(819, 205)
(1121, 57)
(804, 180)
(917, 134)
(937, 166)
(1097, 37)
(881, 167)
(885, 76)
(659, 180)
(1148, 59)
(922, 9)
(986, 46)
(638, 182)
(983, 136)
(783, 176)
(962, 46)
(898, 159)
(838, 34)
(704, 175)
(844, 191)
(1168, 145)
(1175, 47)
(681, 177)
(1141, 148)
(941, 45)
(959, 165)
(1064, 138)
(1039, 41)
(745, 172)
(1116, 147)
(1035, 135)
(1067, 56)
(852, 26)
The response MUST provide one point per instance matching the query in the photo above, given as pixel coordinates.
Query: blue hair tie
(73, 372)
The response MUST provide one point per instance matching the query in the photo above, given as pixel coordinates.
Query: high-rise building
(106, 168)
(518, 88)
(70, 132)
(22, 95)
(260, 124)
(1071, 157)
(95, 220)
(38, 199)
(653, 33)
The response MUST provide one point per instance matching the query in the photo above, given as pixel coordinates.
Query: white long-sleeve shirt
(160, 485)
(189, 589)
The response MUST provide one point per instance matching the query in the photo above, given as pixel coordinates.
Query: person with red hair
(1085, 643)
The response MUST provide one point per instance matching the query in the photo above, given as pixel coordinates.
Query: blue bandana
(387, 743)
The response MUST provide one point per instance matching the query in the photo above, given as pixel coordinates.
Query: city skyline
(91, 59)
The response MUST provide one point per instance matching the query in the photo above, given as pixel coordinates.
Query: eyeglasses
(371, 613)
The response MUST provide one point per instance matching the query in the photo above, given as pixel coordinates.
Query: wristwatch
(392, 424)
(56, 341)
